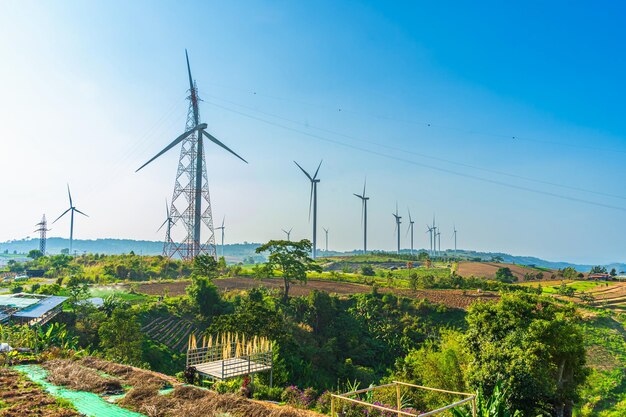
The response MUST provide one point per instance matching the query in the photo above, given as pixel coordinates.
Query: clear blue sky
(423, 98)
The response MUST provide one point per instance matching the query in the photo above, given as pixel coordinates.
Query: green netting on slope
(86, 403)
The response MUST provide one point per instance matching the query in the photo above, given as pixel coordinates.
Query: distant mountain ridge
(237, 252)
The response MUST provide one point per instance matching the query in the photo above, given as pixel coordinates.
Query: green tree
(205, 296)
(505, 275)
(367, 270)
(570, 273)
(121, 337)
(566, 290)
(613, 272)
(437, 364)
(291, 259)
(205, 266)
(77, 290)
(35, 254)
(534, 346)
(598, 270)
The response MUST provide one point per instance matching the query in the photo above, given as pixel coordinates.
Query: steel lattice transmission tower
(42, 228)
(191, 203)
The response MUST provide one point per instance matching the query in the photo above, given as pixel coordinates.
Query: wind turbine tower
(288, 233)
(326, 231)
(169, 222)
(42, 228)
(313, 201)
(410, 230)
(455, 232)
(398, 222)
(191, 203)
(434, 237)
(429, 230)
(364, 200)
(72, 209)
(439, 242)
(222, 228)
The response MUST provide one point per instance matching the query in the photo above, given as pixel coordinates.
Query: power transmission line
(436, 158)
(412, 162)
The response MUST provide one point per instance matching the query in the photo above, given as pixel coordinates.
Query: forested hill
(115, 246)
(238, 252)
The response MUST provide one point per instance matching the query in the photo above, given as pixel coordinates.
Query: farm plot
(488, 270)
(612, 297)
(451, 298)
(171, 331)
(22, 397)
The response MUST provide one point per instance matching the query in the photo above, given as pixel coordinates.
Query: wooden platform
(232, 367)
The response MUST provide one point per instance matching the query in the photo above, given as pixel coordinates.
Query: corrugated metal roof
(41, 308)
(18, 300)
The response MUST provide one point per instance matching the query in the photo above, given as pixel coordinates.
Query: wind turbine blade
(318, 169)
(166, 220)
(78, 211)
(290, 230)
(302, 169)
(167, 209)
(217, 142)
(223, 220)
(174, 143)
(69, 194)
(360, 196)
(64, 213)
(189, 71)
(364, 184)
(410, 220)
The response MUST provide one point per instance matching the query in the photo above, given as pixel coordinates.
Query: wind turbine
(313, 200)
(222, 228)
(410, 229)
(326, 231)
(288, 233)
(364, 215)
(195, 195)
(439, 241)
(429, 230)
(434, 237)
(169, 222)
(398, 222)
(72, 209)
(455, 231)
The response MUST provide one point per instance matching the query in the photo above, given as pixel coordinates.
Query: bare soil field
(142, 392)
(451, 298)
(21, 397)
(489, 269)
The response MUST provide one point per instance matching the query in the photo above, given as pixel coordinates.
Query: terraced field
(171, 331)
(610, 295)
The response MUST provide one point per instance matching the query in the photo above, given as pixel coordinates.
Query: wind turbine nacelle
(201, 126)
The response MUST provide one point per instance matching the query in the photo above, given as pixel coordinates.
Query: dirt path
(451, 298)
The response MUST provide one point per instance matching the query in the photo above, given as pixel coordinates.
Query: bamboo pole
(447, 407)
(332, 406)
(398, 398)
(434, 389)
(400, 413)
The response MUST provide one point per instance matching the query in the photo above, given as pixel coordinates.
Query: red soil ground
(450, 298)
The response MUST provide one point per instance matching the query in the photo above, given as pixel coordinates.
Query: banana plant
(494, 406)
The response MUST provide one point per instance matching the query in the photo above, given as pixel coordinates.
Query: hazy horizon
(504, 120)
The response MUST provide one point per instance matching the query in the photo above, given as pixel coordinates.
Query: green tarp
(86, 403)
